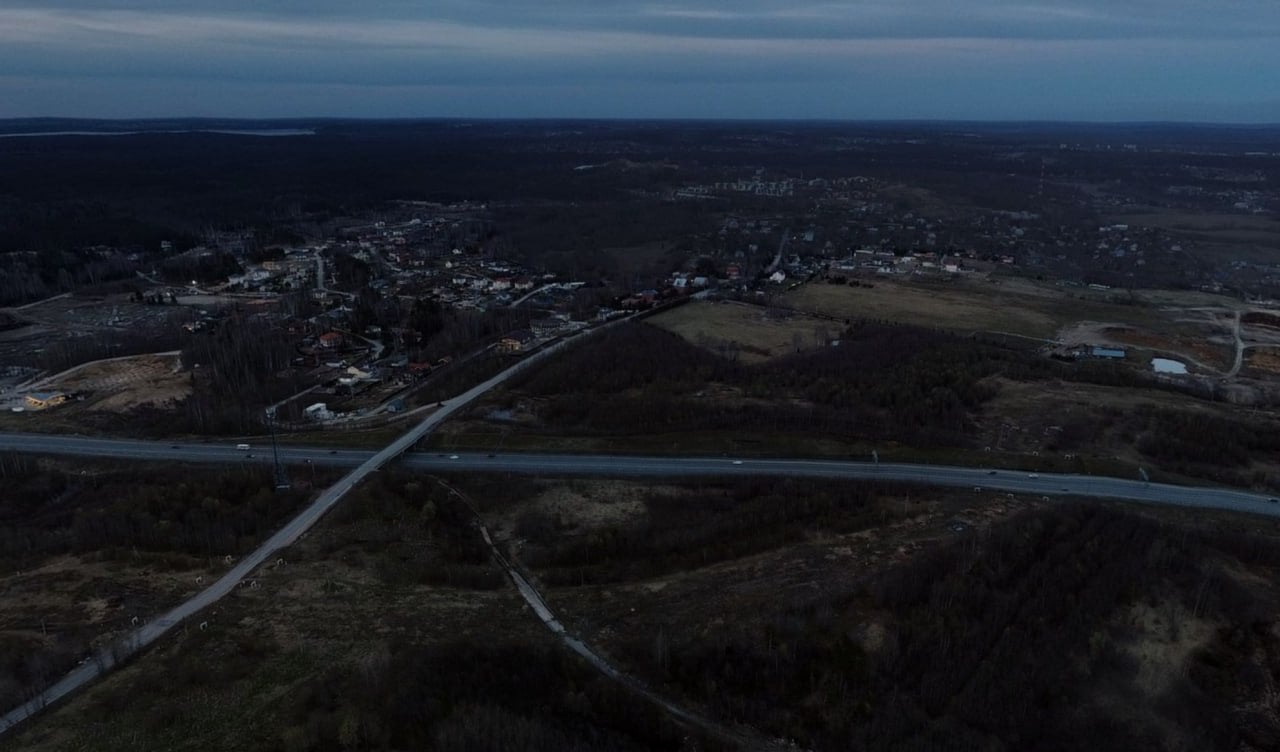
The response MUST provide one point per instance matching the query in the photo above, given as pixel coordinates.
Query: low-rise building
(516, 341)
(41, 400)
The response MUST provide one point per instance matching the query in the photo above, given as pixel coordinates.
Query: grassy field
(1237, 236)
(745, 329)
(1225, 226)
(991, 304)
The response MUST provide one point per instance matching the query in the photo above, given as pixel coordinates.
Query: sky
(1099, 60)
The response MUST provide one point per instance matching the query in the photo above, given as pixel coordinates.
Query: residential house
(516, 341)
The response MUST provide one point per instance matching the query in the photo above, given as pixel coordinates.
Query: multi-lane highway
(1013, 481)
(363, 462)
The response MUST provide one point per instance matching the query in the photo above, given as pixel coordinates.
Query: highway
(364, 463)
(1012, 481)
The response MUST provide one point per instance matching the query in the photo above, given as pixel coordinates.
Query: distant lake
(263, 132)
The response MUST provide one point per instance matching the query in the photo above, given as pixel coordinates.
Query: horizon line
(615, 119)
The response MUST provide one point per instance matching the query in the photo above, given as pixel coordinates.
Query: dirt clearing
(123, 384)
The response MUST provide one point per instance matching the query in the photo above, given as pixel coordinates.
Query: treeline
(1186, 439)
(234, 370)
(71, 351)
(28, 275)
(449, 331)
(211, 267)
(50, 512)
(884, 382)
(1014, 639)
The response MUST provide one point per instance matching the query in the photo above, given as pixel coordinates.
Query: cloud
(913, 53)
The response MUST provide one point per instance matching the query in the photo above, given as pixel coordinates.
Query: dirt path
(1235, 367)
(741, 737)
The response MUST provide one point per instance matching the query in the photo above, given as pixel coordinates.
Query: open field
(992, 304)
(1092, 426)
(127, 383)
(1216, 236)
(747, 332)
(1245, 227)
(1208, 348)
(1262, 362)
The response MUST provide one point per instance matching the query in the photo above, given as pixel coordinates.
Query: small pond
(1165, 365)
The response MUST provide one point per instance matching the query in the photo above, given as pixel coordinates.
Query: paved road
(364, 462)
(1019, 482)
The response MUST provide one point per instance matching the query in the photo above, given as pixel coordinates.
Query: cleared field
(951, 305)
(745, 329)
(126, 383)
(1239, 236)
(1262, 362)
(1204, 223)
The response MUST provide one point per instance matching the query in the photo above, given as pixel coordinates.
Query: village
(377, 304)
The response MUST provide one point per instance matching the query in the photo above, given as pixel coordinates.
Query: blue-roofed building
(1114, 353)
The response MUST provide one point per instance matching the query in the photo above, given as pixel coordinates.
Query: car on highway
(737, 462)
(453, 456)
(991, 472)
(1033, 475)
(242, 447)
(1274, 501)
